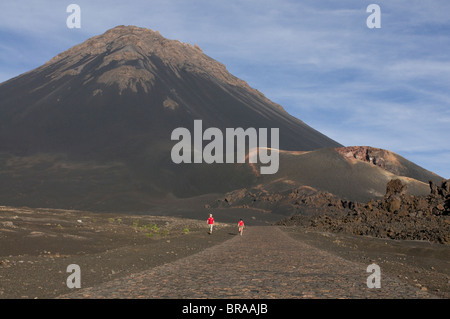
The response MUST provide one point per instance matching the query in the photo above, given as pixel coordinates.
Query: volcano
(91, 128)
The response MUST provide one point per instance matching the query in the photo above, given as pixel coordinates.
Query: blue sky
(386, 88)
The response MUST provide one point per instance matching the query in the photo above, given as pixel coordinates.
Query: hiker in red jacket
(210, 223)
(241, 226)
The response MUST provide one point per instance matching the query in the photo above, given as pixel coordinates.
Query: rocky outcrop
(302, 200)
(388, 161)
(396, 216)
(376, 156)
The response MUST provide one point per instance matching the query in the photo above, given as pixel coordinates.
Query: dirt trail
(264, 263)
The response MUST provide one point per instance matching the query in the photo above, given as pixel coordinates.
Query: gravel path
(264, 263)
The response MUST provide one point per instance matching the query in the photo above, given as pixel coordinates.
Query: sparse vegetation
(151, 229)
(115, 220)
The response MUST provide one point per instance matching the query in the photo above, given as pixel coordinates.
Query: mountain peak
(139, 39)
(129, 56)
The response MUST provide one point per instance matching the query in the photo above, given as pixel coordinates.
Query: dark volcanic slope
(91, 128)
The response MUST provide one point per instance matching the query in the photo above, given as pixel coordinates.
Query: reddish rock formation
(376, 156)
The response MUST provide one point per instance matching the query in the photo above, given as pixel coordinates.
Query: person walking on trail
(241, 226)
(210, 223)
